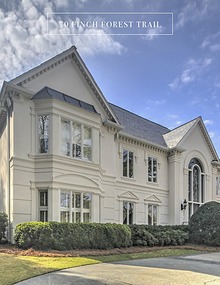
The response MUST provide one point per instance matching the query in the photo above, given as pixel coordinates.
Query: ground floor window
(43, 205)
(196, 185)
(152, 214)
(128, 213)
(75, 207)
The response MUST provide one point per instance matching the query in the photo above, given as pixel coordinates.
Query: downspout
(9, 103)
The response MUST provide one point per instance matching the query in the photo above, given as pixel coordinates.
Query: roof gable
(176, 137)
(69, 55)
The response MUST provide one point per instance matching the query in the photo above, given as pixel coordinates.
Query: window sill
(128, 179)
(156, 184)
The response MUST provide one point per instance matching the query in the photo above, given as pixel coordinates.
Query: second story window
(43, 133)
(128, 164)
(76, 140)
(152, 169)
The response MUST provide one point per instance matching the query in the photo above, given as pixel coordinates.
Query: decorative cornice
(44, 70)
(208, 140)
(141, 143)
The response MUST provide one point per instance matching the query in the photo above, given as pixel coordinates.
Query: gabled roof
(174, 137)
(139, 127)
(69, 54)
(49, 93)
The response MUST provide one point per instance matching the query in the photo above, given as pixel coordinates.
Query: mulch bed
(11, 249)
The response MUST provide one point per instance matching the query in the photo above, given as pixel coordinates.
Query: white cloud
(208, 122)
(25, 42)
(212, 135)
(192, 71)
(195, 11)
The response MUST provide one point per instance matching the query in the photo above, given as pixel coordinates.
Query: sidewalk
(202, 269)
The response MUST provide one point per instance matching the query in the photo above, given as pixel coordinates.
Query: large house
(69, 155)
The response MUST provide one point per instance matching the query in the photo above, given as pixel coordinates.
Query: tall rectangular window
(128, 163)
(76, 140)
(128, 213)
(65, 137)
(43, 133)
(43, 205)
(75, 207)
(152, 169)
(152, 215)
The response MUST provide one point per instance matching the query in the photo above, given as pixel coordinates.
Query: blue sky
(167, 79)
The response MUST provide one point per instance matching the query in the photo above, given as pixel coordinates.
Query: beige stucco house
(67, 154)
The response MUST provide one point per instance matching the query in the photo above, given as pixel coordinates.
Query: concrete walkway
(202, 269)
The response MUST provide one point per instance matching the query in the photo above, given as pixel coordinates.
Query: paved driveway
(203, 269)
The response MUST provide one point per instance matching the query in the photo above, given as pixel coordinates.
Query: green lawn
(15, 268)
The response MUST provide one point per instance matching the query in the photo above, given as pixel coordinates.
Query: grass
(15, 268)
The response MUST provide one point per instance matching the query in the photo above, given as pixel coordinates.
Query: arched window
(195, 185)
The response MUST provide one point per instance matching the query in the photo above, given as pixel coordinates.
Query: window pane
(43, 131)
(86, 217)
(65, 137)
(87, 141)
(189, 185)
(131, 164)
(125, 212)
(43, 216)
(64, 216)
(154, 170)
(131, 212)
(76, 140)
(87, 200)
(76, 149)
(78, 200)
(154, 215)
(64, 200)
(150, 220)
(43, 198)
(149, 169)
(78, 217)
(87, 153)
(196, 176)
(125, 163)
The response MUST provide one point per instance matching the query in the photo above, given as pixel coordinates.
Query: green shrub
(204, 225)
(34, 234)
(67, 236)
(144, 235)
(3, 226)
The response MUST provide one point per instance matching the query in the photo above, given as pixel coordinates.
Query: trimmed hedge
(204, 225)
(144, 235)
(3, 226)
(67, 236)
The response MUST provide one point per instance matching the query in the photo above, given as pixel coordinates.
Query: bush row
(143, 235)
(3, 226)
(67, 236)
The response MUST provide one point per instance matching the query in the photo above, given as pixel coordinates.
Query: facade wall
(32, 173)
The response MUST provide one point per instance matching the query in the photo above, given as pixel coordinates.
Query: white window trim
(38, 135)
(71, 210)
(82, 125)
(134, 160)
(157, 165)
(158, 211)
